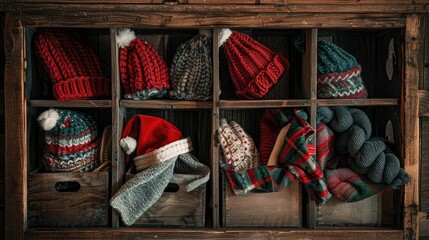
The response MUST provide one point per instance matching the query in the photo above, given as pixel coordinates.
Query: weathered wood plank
(359, 102)
(71, 104)
(243, 104)
(51, 202)
(229, 2)
(409, 108)
(165, 104)
(256, 234)
(187, 20)
(15, 133)
(273, 209)
(423, 103)
(214, 147)
(424, 166)
(384, 7)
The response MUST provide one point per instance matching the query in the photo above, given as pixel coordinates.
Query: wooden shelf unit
(112, 16)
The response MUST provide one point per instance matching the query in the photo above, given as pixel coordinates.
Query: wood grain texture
(256, 234)
(384, 7)
(179, 209)
(236, 2)
(71, 104)
(411, 131)
(165, 104)
(209, 20)
(243, 104)
(338, 213)
(424, 167)
(273, 209)
(359, 102)
(87, 207)
(15, 132)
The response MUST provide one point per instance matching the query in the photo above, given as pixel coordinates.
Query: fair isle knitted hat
(71, 143)
(254, 68)
(338, 73)
(153, 139)
(144, 75)
(73, 67)
(191, 69)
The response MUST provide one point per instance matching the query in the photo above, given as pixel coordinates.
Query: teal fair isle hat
(338, 73)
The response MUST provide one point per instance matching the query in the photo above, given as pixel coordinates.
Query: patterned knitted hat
(144, 75)
(254, 68)
(191, 69)
(338, 73)
(154, 140)
(71, 143)
(73, 67)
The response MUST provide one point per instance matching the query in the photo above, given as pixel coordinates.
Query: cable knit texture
(254, 68)
(72, 144)
(338, 73)
(191, 69)
(371, 167)
(73, 67)
(144, 75)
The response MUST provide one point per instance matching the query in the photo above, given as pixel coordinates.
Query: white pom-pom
(124, 38)
(205, 32)
(224, 35)
(129, 144)
(48, 119)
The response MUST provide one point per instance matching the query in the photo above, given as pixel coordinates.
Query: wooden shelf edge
(150, 233)
(71, 104)
(359, 102)
(165, 104)
(243, 104)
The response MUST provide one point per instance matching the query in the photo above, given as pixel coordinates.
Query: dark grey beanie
(191, 69)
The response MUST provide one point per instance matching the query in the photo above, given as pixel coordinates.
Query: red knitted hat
(73, 67)
(154, 140)
(144, 75)
(268, 132)
(254, 68)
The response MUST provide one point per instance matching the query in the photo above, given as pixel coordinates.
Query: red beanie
(269, 130)
(144, 75)
(154, 140)
(73, 67)
(254, 68)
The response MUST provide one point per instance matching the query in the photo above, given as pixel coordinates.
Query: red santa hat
(153, 139)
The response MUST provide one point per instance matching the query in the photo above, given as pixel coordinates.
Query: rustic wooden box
(272, 209)
(84, 203)
(176, 208)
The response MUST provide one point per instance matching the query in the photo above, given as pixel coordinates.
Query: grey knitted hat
(139, 193)
(191, 69)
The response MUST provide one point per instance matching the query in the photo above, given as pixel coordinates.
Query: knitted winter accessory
(144, 75)
(254, 68)
(296, 161)
(146, 187)
(73, 67)
(191, 69)
(269, 128)
(239, 150)
(153, 139)
(338, 73)
(70, 141)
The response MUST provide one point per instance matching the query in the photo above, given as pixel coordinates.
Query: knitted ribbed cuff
(81, 88)
(163, 154)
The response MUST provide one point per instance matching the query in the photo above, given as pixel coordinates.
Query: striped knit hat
(191, 69)
(144, 75)
(73, 67)
(254, 68)
(71, 143)
(338, 73)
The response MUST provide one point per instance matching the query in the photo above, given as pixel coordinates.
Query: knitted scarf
(367, 167)
(297, 160)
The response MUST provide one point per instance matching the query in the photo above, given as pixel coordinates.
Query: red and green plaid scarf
(297, 160)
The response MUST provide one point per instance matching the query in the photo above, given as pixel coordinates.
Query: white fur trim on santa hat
(224, 35)
(205, 32)
(124, 38)
(129, 144)
(48, 119)
(163, 154)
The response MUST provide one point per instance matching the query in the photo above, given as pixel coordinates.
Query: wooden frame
(22, 15)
